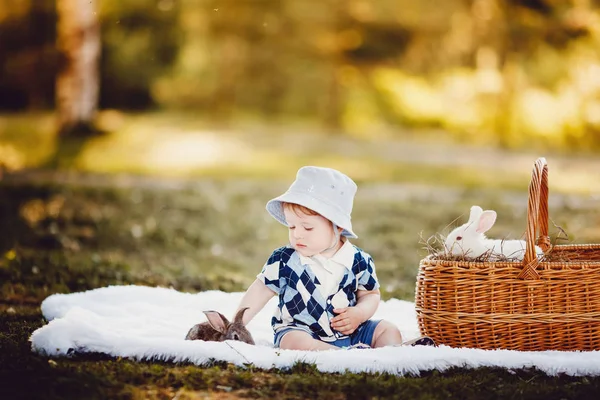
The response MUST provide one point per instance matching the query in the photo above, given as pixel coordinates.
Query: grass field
(197, 227)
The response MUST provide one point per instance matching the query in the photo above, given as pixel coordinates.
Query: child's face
(309, 234)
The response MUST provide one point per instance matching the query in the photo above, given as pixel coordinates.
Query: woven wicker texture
(548, 304)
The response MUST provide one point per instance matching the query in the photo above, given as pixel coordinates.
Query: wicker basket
(548, 304)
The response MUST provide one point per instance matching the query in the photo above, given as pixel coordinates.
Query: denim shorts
(363, 334)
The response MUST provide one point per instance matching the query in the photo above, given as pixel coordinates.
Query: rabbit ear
(486, 221)
(239, 316)
(476, 212)
(217, 321)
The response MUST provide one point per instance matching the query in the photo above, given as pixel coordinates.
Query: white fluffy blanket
(150, 323)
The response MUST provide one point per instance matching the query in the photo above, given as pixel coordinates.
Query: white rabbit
(469, 240)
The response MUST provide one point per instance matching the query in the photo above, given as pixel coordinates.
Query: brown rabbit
(218, 328)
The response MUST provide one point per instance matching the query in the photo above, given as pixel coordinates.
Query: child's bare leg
(386, 334)
(298, 340)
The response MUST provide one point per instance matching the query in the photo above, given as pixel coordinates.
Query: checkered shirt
(301, 303)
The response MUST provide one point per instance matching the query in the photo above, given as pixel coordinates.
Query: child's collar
(344, 256)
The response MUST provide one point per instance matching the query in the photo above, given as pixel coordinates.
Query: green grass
(68, 231)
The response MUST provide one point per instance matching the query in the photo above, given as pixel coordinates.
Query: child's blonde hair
(297, 208)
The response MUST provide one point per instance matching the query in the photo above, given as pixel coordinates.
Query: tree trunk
(78, 44)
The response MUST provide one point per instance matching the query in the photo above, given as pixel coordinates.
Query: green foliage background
(512, 73)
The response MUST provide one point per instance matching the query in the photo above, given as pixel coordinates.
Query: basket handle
(537, 217)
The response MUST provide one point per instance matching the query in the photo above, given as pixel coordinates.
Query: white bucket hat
(323, 190)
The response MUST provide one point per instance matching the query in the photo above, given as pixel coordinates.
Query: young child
(327, 287)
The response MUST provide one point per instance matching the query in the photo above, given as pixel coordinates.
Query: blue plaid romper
(301, 303)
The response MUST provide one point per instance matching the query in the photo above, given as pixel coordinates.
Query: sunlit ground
(185, 146)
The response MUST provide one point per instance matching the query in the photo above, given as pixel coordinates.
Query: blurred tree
(78, 44)
(27, 54)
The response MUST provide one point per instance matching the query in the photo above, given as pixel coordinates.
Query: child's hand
(347, 320)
